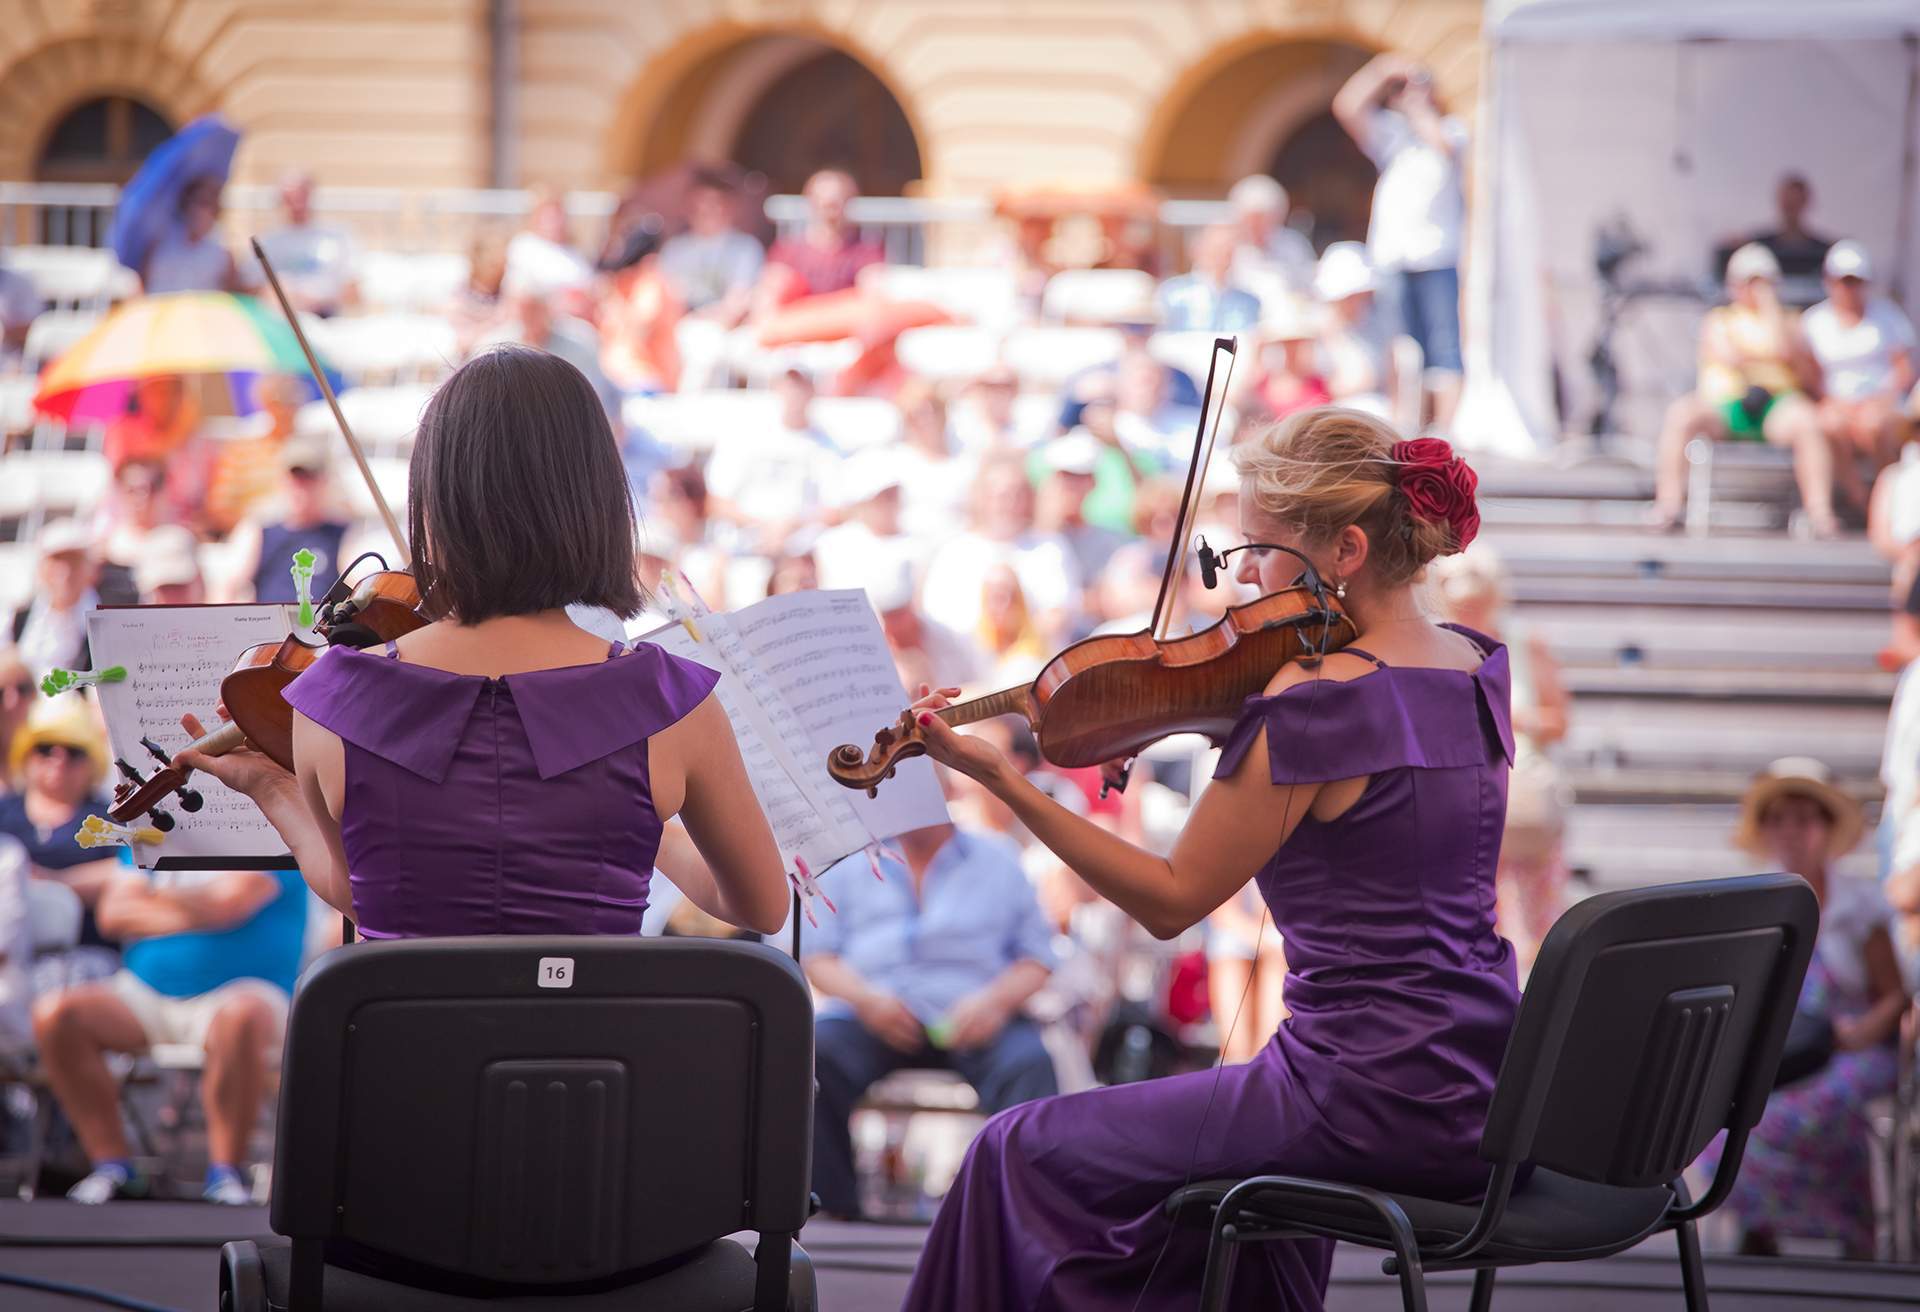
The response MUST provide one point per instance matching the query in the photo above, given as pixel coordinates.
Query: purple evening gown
(518, 805)
(1401, 993)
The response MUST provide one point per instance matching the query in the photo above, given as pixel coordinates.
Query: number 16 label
(555, 973)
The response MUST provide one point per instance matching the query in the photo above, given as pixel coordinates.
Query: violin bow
(1203, 442)
(333, 404)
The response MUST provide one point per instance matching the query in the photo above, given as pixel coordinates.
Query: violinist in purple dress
(502, 771)
(1365, 796)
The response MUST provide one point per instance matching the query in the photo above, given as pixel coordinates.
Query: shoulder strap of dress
(616, 649)
(393, 650)
(1351, 650)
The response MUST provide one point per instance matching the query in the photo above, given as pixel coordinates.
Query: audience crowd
(992, 518)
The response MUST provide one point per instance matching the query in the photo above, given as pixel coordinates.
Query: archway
(100, 140)
(779, 103)
(1263, 105)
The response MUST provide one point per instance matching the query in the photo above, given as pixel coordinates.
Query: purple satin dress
(519, 805)
(1401, 995)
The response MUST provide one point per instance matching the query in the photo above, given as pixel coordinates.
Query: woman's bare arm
(737, 857)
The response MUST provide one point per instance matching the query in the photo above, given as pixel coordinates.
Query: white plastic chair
(383, 418)
(1096, 296)
(691, 422)
(387, 347)
(984, 295)
(1190, 353)
(391, 280)
(853, 422)
(1046, 356)
(64, 481)
(948, 352)
(53, 333)
(72, 277)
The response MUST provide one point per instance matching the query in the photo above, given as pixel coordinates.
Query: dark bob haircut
(518, 499)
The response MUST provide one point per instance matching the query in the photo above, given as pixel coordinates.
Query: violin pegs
(873, 792)
(190, 800)
(161, 820)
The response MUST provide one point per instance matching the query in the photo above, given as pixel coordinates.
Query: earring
(1340, 590)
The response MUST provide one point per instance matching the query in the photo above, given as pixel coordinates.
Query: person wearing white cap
(1806, 1173)
(867, 490)
(1072, 462)
(1755, 372)
(52, 630)
(1268, 249)
(1288, 376)
(1356, 341)
(1864, 345)
(167, 568)
(1207, 300)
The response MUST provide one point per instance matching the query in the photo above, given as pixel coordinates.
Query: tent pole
(1909, 166)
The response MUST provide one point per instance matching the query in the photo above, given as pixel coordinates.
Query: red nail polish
(926, 718)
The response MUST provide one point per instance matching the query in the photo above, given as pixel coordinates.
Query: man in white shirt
(1003, 532)
(315, 262)
(1207, 299)
(16, 950)
(1271, 256)
(1864, 345)
(52, 631)
(713, 265)
(769, 482)
(1419, 208)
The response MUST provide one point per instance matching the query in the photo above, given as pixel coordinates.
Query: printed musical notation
(802, 673)
(176, 657)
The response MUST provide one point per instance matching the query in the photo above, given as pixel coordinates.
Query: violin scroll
(867, 770)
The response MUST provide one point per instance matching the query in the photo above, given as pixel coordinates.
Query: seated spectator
(1806, 1172)
(924, 650)
(191, 257)
(1392, 111)
(1356, 341)
(246, 468)
(984, 418)
(536, 319)
(478, 306)
(1893, 527)
(20, 305)
(541, 260)
(767, 483)
(1120, 466)
(1145, 414)
(168, 569)
(1286, 376)
(793, 571)
(305, 514)
(211, 958)
(160, 420)
(1270, 255)
(51, 630)
(58, 763)
(1754, 368)
(1007, 636)
(1069, 469)
(828, 254)
(134, 506)
(1797, 249)
(928, 966)
(1864, 346)
(869, 535)
(16, 956)
(1136, 340)
(1207, 300)
(937, 472)
(639, 351)
(315, 261)
(1002, 532)
(19, 694)
(713, 265)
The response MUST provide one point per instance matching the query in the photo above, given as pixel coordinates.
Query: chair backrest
(544, 1110)
(1653, 1019)
(1097, 296)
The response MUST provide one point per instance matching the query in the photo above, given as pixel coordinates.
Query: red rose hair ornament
(1439, 487)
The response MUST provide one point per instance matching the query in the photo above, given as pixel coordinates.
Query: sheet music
(175, 658)
(801, 674)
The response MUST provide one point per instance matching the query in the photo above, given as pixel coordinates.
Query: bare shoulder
(1340, 667)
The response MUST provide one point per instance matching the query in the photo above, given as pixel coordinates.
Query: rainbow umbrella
(233, 338)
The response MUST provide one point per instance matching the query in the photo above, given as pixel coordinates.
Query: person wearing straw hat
(58, 764)
(1806, 1171)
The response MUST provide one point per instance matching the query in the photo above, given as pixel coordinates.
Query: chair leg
(1482, 1300)
(1223, 1250)
(1693, 1271)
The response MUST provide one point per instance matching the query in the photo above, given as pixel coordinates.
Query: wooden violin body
(1105, 698)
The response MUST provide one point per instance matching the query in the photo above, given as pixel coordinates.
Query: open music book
(176, 657)
(800, 674)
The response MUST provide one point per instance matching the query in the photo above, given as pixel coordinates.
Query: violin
(1106, 698)
(379, 608)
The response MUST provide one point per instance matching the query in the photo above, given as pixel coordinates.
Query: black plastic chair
(571, 1122)
(1654, 1019)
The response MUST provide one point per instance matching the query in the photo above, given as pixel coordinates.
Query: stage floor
(166, 1254)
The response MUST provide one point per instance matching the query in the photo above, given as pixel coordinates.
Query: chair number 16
(555, 973)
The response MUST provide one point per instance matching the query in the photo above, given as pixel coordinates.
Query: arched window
(830, 109)
(101, 140)
(1328, 176)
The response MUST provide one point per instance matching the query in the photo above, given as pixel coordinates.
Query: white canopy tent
(1680, 117)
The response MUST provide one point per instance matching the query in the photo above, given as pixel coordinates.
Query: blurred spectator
(477, 307)
(768, 483)
(168, 569)
(677, 517)
(1028, 253)
(1286, 376)
(16, 955)
(1893, 527)
(134, 506)
(210, 958)
(1391, 111)
(1126, 589)
(1246, 974)
(1208, 299)
(1145, 414)
(18, 692)
(1007, 635)
(935, 477)
(160, 420)
(1356, 341)
(639, 315)
(1799, 251)
(541, 260)
(1269, 251)
(1864, 346)
(1754, 367)
(924, 651)
(51, 630)
(191, 257)
(793, 572)
(713, 266)
(534, 319)
(1136, 339)
(20, 305)
(58, 763)
(984, 418)
(315, 262)
(1118, 467)
(928, 966)
(868, 538)
(1001, 531)
(1806, 1172)
(828, 254)
(1068, 474)
(246, 468)
(1531, 879)
(303, 515)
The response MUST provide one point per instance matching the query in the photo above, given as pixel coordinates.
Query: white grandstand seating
(16, 405)
(72, 277)
(1046, 356)
(820, 361)
(54, 332)
(383, 418)
(392, 280)
(948, 353)
(385, 347)
(985, 295)
(1097, 295)
(692, 422)
(1190, 353)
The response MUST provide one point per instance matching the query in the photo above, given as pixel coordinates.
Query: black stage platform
(164, 1254)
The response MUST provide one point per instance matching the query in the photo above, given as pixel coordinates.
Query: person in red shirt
(828, 255)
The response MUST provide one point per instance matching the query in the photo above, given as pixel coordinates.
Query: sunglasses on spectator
(25, 687)
(65, 751)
